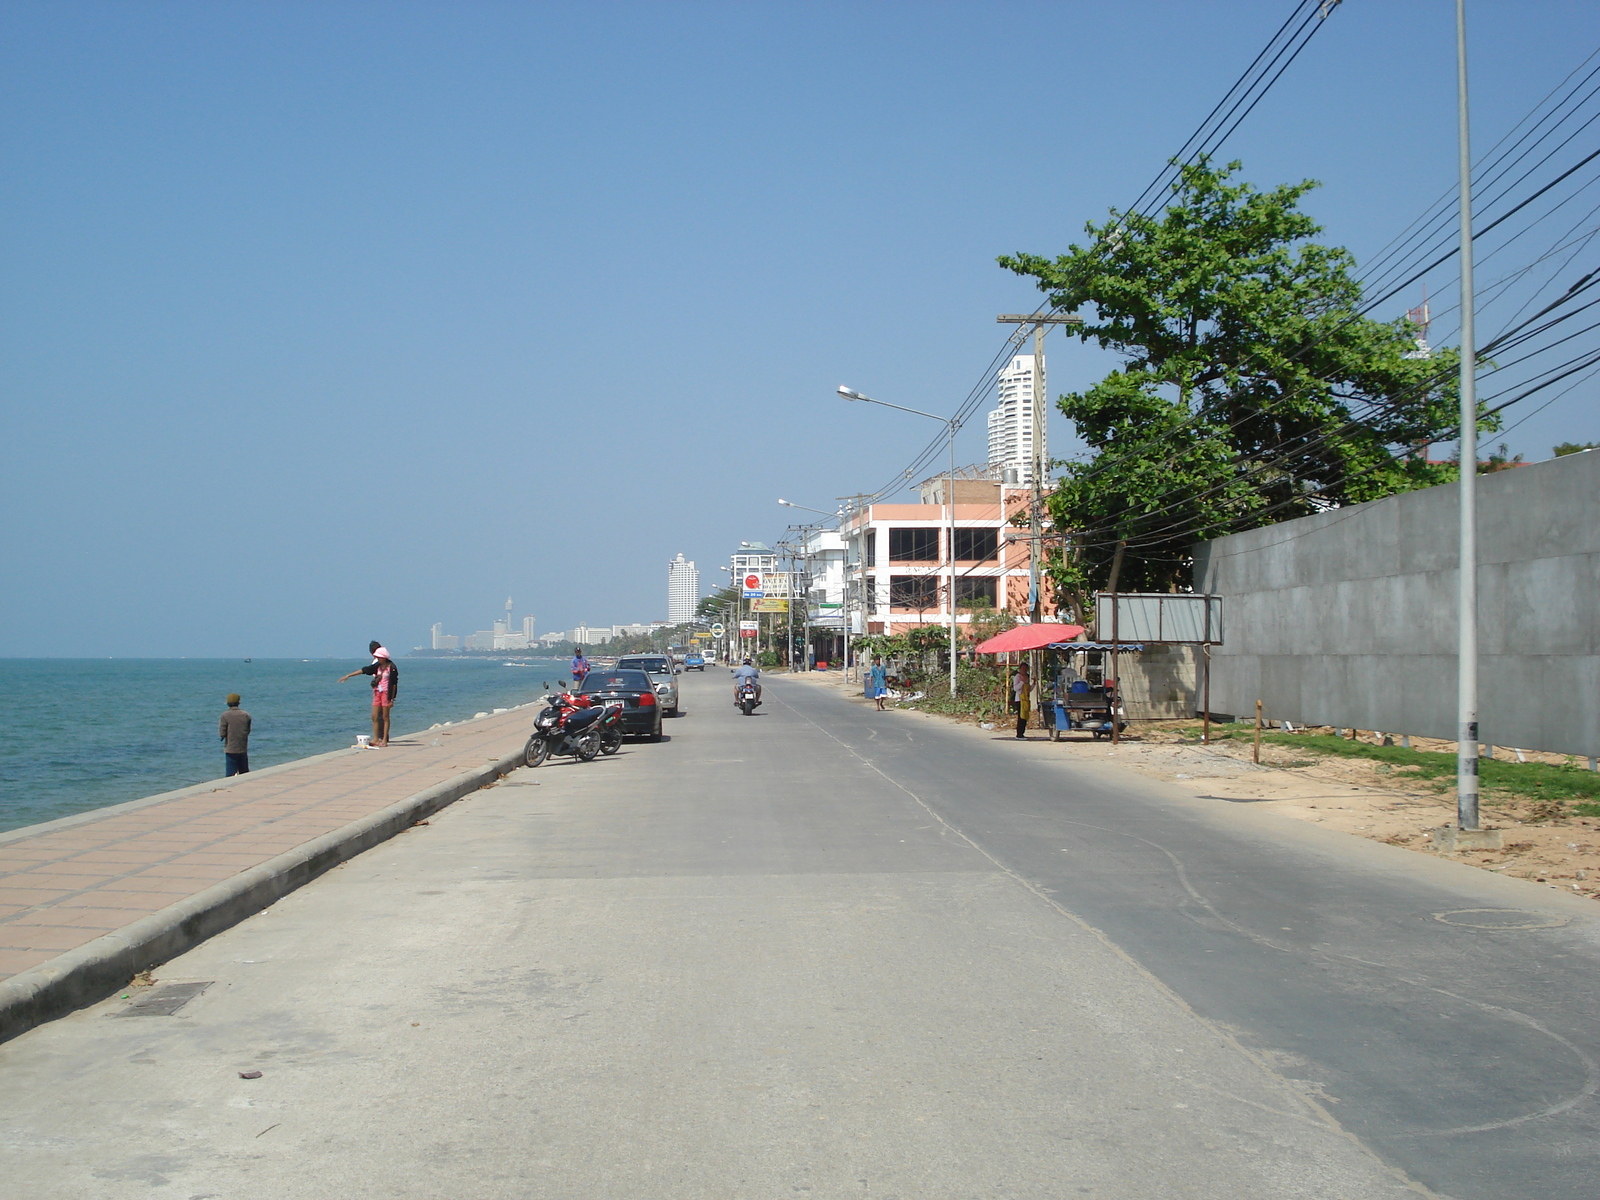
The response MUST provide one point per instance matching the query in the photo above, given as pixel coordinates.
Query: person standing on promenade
(381, 667)
(1021, 698)
(877, 681)
(234, 730)
(580, 667)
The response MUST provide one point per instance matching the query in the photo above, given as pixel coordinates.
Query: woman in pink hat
(385, 687)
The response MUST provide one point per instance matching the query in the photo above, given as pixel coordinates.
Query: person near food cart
(1021, 698)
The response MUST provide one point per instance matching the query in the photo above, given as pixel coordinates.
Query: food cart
(1082, 707)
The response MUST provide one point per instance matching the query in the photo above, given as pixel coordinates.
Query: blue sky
(328, 321)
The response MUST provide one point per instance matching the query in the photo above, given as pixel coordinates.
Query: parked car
(694, 662)
(641, 710)
(663, 675)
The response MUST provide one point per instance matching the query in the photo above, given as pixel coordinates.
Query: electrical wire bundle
(1281, 50)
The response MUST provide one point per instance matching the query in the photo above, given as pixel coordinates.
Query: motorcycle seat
(583, 717)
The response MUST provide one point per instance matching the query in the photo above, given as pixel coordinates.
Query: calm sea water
(78, 734)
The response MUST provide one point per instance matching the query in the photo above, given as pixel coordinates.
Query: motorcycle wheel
(536, 751)
(588, 746)
(749, 707)
(611, 741)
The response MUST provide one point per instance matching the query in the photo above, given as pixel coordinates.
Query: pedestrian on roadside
(234, 729)
(1021, 687)
(877, 681)
(384, 675)
(580, 667)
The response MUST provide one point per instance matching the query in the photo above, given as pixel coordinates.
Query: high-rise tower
(683, 590)
(1011, 424)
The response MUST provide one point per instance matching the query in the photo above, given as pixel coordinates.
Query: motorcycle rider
(746, 671)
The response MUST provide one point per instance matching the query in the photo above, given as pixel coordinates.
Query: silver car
(663, 674)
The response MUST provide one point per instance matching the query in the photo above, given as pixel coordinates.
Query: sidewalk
(87, 901)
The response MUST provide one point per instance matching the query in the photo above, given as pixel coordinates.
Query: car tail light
(647, 699)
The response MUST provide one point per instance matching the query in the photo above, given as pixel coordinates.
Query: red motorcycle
(574, 725)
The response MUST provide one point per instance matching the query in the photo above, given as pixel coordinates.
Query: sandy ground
(1355, 796)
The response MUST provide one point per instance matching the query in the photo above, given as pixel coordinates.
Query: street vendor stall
(1080, 706)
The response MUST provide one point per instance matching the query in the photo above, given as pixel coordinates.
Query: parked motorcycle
(745, 698)
(610, 727)
(570, 725)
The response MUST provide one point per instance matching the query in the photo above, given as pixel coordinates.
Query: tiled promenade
(70, 883)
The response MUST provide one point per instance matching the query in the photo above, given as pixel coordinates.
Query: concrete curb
(92, 972)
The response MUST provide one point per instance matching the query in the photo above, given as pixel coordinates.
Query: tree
(1566, 448)
(1251, 391)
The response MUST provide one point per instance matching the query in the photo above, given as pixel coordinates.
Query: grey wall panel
(1349, 617)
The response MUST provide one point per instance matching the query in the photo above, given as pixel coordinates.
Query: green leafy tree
(1566, 448)
(1251, 389)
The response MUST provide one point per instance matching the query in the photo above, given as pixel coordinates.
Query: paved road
(832, 952)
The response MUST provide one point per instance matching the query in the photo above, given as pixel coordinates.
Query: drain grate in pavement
(163, 1000)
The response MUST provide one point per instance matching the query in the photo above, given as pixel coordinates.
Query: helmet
(747, 662)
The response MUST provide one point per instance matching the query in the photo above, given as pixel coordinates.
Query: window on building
(871, 548)
(913, 545)
(975, 593)
(913, 591)
(869, 587)
(976, 545)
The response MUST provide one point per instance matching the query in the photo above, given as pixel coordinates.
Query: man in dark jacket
(234, 730)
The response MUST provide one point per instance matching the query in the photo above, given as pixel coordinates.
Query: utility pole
(1039, 323)
(1467, 597)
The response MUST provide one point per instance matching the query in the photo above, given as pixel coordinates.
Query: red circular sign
(752, 583)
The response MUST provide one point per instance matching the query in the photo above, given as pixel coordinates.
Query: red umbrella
(1029, 637)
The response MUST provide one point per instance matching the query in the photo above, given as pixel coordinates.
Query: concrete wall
(1349, 617)
(1158, 682)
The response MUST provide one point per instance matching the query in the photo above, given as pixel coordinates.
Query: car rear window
(659, 665)
(616, 681)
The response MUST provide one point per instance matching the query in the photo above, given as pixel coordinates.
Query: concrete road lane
(816, 951)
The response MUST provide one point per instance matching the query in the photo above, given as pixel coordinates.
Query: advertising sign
(749, 628)
(752, 586)
(718, 629)
(770, 604)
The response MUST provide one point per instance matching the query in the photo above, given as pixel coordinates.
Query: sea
(79, 734)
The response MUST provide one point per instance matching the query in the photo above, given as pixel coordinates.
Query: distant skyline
(328, 321)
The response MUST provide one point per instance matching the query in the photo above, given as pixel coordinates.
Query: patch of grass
(1532, 781)
(1567, 790)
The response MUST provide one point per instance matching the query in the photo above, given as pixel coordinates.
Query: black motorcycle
(746, 696)
(562, 728)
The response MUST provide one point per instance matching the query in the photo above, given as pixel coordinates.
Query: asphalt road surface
(825, 951)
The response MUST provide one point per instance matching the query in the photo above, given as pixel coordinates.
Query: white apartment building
(683, 590)
(1011, 424)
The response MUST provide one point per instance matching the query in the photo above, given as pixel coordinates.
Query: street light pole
(1467, 597)
(950, 515)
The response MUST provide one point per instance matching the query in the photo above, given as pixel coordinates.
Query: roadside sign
(718, 629)
(1163, 617)
(749, 628)
(752, 586)
(770, 604)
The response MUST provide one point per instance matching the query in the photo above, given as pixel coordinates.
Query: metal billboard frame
(1172, 618)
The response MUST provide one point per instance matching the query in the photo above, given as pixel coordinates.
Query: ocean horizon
(78, 734)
